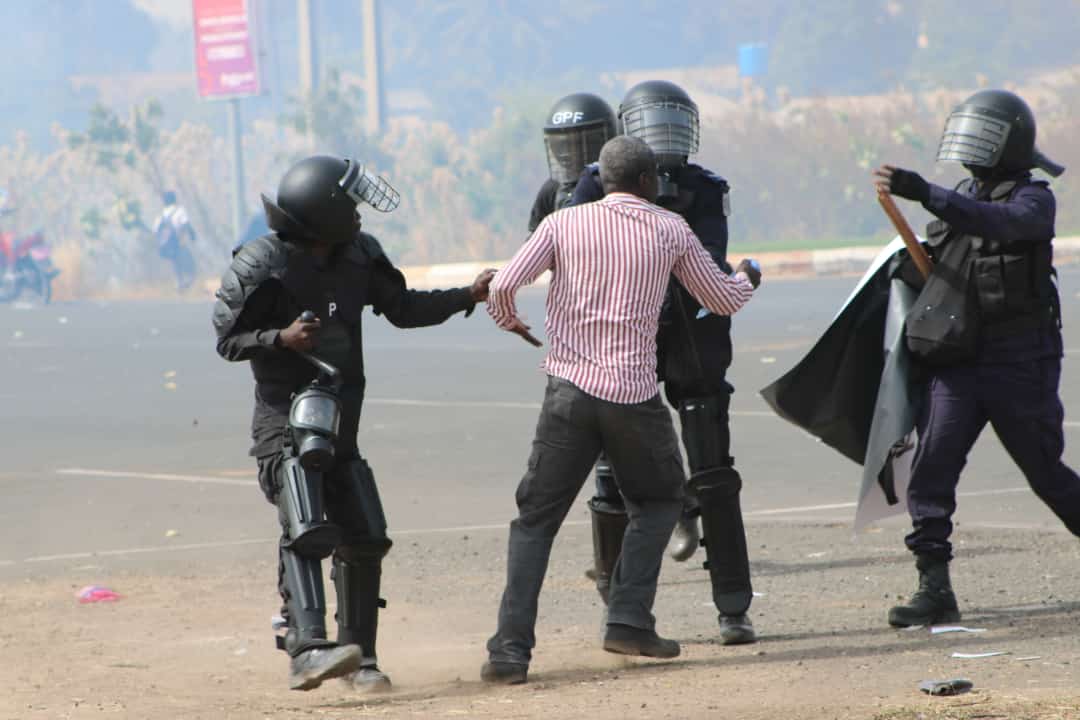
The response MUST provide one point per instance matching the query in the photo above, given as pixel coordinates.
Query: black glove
(909, 185)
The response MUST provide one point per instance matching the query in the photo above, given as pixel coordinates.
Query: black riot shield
(854, 389)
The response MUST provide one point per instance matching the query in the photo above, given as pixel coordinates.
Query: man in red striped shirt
(610, 262)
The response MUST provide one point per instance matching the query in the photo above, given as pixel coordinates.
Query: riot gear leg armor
(308, 539)
(302, 503)
(357, 566)
(608, 527)
(716, 485)
(609, 522)
(725, 539)
(306, 602)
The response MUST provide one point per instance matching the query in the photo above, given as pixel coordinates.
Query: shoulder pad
(253, 263)
(364, 249)
(260, 258)
(707, 176)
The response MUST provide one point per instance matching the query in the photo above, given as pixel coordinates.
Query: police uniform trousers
(1020, 401)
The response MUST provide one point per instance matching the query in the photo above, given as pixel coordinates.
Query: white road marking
(250, 541)
(503, 405)
(127, 475)
(143, 550)
(804, 508)
(847, 505)
(432, 531)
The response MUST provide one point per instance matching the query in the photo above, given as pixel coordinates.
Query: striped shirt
(610, 262)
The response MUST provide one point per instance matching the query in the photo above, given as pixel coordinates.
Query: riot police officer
(986, 330)
(695, 353)
(317, 261)
(577, 127)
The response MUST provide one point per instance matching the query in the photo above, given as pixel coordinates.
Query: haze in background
(846, 84)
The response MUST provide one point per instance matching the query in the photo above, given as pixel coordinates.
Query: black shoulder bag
(943, 326)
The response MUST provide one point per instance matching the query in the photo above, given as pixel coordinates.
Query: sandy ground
(197, 644)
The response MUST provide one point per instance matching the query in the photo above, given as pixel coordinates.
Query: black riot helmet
(577, 127)
(995, 130)
(664, 116)
(317, 199)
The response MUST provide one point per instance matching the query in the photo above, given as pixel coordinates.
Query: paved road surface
(121, 424)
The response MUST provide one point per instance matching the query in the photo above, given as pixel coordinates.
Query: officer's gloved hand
(903, 183)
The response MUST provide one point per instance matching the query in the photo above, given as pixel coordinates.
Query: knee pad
(358, 508)
(608, 498)
(302, 500)
(705, 431)
(361, 549)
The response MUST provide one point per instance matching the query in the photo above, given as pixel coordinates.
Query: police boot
(357, 577)
(685, 539)
(628, 640)
(496, 672)
(608, 527)
(310, 668)
(934, 601)
(736, 630)
(369, 679)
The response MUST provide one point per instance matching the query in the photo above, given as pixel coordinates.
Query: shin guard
(608, 527)
(717, 491)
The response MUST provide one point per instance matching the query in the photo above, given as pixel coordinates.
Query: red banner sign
(224, 49)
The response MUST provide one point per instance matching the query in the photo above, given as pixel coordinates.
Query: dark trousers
(607, 489)
(1020, 400)
(572, 429)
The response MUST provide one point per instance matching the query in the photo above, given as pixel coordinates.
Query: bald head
(628, 165)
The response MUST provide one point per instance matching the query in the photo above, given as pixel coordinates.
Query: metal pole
(305, 46)
(307, 62)
(373, 89)
(239, 211)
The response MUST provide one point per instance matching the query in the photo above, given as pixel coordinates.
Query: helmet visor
(669, 128)
(363, 187)
(973, 139)
(569, 151)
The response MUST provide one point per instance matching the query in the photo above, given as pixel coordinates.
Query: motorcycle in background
(25, 266)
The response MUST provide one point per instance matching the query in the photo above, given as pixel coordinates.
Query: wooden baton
(914, 247)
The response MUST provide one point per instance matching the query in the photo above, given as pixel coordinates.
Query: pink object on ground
(95, 594)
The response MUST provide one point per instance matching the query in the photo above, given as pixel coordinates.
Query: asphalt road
(125, 436)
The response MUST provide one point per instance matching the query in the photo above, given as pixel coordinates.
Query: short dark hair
(168, 197)
(622, 161)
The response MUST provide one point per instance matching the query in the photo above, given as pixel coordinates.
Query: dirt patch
(187, 642)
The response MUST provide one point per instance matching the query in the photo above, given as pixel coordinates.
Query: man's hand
(479, 288)
(301, 335)
(904, 183)
(519, 328)
(751, 269)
